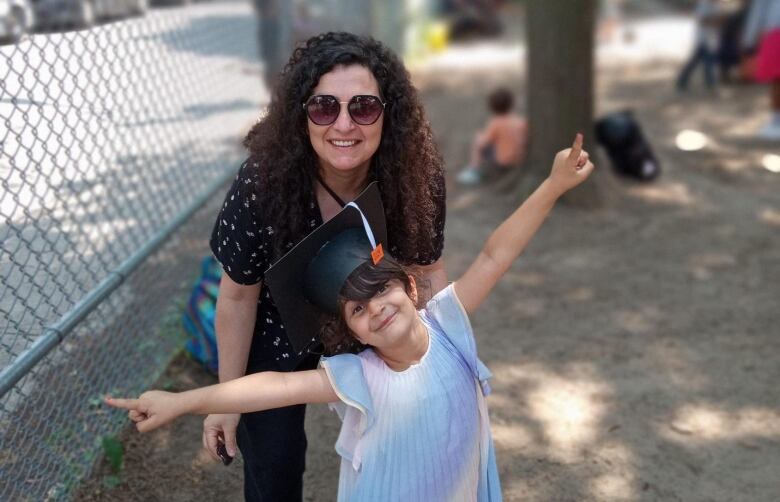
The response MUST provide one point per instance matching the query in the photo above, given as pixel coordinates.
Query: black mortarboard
(306, 281)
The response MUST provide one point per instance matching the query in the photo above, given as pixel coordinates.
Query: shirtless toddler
(501, 144)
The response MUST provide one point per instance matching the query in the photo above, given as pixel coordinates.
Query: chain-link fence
(111, 137)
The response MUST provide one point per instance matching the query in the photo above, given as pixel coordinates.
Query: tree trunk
(560, 89)
(274, 36)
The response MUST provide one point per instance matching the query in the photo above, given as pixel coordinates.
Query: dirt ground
(634, 348)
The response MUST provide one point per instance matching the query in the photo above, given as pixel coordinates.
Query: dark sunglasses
(324, 109)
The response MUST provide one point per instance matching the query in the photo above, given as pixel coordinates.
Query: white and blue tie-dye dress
(421, 434)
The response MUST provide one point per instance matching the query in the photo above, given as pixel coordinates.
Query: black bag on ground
(628, 150)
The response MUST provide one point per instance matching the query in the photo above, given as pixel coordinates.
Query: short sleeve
(445, 312)
(237, 238)
(355, 408)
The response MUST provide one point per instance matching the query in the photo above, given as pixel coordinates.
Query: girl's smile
(386, 322)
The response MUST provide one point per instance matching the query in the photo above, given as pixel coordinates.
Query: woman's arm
(256, 392)
(570, 168)
(235, 323)
(432, 279)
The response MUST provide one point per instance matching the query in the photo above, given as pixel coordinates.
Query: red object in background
(766, 66)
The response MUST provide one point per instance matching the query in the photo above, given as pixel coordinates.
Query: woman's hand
(570, 167)
(151, 410)
(220, 428)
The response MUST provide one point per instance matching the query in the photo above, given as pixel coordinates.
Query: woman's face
(345, 147)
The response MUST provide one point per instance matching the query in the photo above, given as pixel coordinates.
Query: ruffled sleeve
(445, 312)
(355, 408)
(238, 239)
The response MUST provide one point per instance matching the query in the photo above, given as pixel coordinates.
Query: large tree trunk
(560, 89)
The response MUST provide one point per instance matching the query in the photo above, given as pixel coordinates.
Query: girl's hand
(570, 167)
(151, 410)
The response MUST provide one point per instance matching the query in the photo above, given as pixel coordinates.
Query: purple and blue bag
(199, 315)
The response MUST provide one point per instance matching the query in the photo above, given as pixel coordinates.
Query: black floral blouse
(243, 244)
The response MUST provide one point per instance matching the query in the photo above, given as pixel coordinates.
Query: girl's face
(386, 320)
(345, 147)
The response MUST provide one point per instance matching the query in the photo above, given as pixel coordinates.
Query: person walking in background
(500, 146)
(762, 34)
(730, 42)
(343, 113)
(705, 46)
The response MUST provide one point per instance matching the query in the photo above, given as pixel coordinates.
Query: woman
(343, 113)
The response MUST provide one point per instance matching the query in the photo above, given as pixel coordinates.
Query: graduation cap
(306, 281)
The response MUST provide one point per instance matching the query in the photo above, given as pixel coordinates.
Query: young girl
(412, 399)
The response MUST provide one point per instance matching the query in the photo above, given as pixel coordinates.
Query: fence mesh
(107, 135)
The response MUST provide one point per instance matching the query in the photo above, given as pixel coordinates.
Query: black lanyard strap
(330, 191)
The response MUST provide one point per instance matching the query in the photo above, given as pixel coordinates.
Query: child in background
(409, 389)
(730, 41)
(762, 32)
(501, 144)
(705, 45)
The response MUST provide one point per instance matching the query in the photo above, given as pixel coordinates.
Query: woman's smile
(343, 143)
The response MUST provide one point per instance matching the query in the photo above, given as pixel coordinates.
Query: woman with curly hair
(343, 113)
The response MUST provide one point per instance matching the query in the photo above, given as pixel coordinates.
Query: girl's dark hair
(501, 101)
(407, 164)
(362, 284)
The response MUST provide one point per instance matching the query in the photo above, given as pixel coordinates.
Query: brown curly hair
(407, 163)
(363, 283)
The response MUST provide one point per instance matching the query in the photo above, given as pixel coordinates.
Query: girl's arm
(256, 392)
(570, 168)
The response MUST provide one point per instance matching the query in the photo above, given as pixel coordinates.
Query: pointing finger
(576, 148)
(127, 404)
